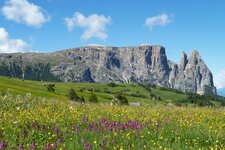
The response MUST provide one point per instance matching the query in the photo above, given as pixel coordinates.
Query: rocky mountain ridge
(144, 64)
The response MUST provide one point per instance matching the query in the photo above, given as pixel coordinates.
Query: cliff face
(193, 75)
(145, 64)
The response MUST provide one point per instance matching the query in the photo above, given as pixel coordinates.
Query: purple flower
(90, 128)
(55, 145)
(3, 145)
(43, 127)
(33, 146)
(83, 140)
(61, 140)
(159, 124)
(75, 129)
(48, 146)
(24, 133)
(57, 130)
(122, 127)
(87, 146)
(20, 147)
(103, 144)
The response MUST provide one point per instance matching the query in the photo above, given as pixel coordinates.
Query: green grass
(105, 93)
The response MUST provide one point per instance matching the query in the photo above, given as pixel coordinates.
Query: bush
(93, 98)
(200, 103)
(82, 89)
(72, 95)
(50, 88)
(3, 93)
(122, 99)
(112, 84)
(82, 100)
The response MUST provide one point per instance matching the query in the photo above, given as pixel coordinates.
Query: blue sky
(179, 25)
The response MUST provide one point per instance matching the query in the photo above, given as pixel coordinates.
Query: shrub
(82, 89)
(93, 98)
(200, 103)
(50, 87)
(3, 93)
(122, 99)
(112, 84)
(73, 95)
(82, 100)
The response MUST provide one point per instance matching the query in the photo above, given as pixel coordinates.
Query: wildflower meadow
(39, 123)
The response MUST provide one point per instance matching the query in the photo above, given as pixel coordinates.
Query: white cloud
(220, 80)
(93, 25)
(159, 20)
(21, 11)
(145, 44)
(8, 45)
(95, 45)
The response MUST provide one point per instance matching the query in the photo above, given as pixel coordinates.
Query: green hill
(146, 95)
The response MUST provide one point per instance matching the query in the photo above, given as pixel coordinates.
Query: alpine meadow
(82, 75)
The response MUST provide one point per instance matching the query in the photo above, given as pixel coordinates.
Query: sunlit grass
(39, 123)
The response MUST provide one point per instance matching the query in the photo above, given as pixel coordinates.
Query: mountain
(221, 92)
(141, 64)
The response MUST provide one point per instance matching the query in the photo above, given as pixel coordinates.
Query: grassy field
(39, 123)
(33, 118)
(105, 93)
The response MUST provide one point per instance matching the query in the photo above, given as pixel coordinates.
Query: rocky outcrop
(144, 64)
(194, 75)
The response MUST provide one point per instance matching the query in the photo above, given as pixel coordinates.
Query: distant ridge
(97, 63)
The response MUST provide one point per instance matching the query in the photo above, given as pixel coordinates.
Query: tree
(50, 87)
(122, 99)
(93, 98)
(73, 95)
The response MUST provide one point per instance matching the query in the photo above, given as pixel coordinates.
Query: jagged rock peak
(195, 54)
(184, 61)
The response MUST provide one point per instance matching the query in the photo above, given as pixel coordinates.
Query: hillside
(146, 95)
(104, 64)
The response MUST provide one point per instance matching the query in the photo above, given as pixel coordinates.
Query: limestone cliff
(145, 64)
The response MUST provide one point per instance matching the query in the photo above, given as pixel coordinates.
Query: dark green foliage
(200, 100)
(82, 100)
(93, 98)
(50, 88)
(200, 103)
(171, 90)
(82, 89)
(72, 95)
(112, 84)
(122, 99)
(3, 93)
(138, 94)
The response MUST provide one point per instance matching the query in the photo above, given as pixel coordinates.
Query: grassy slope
(37, 89)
